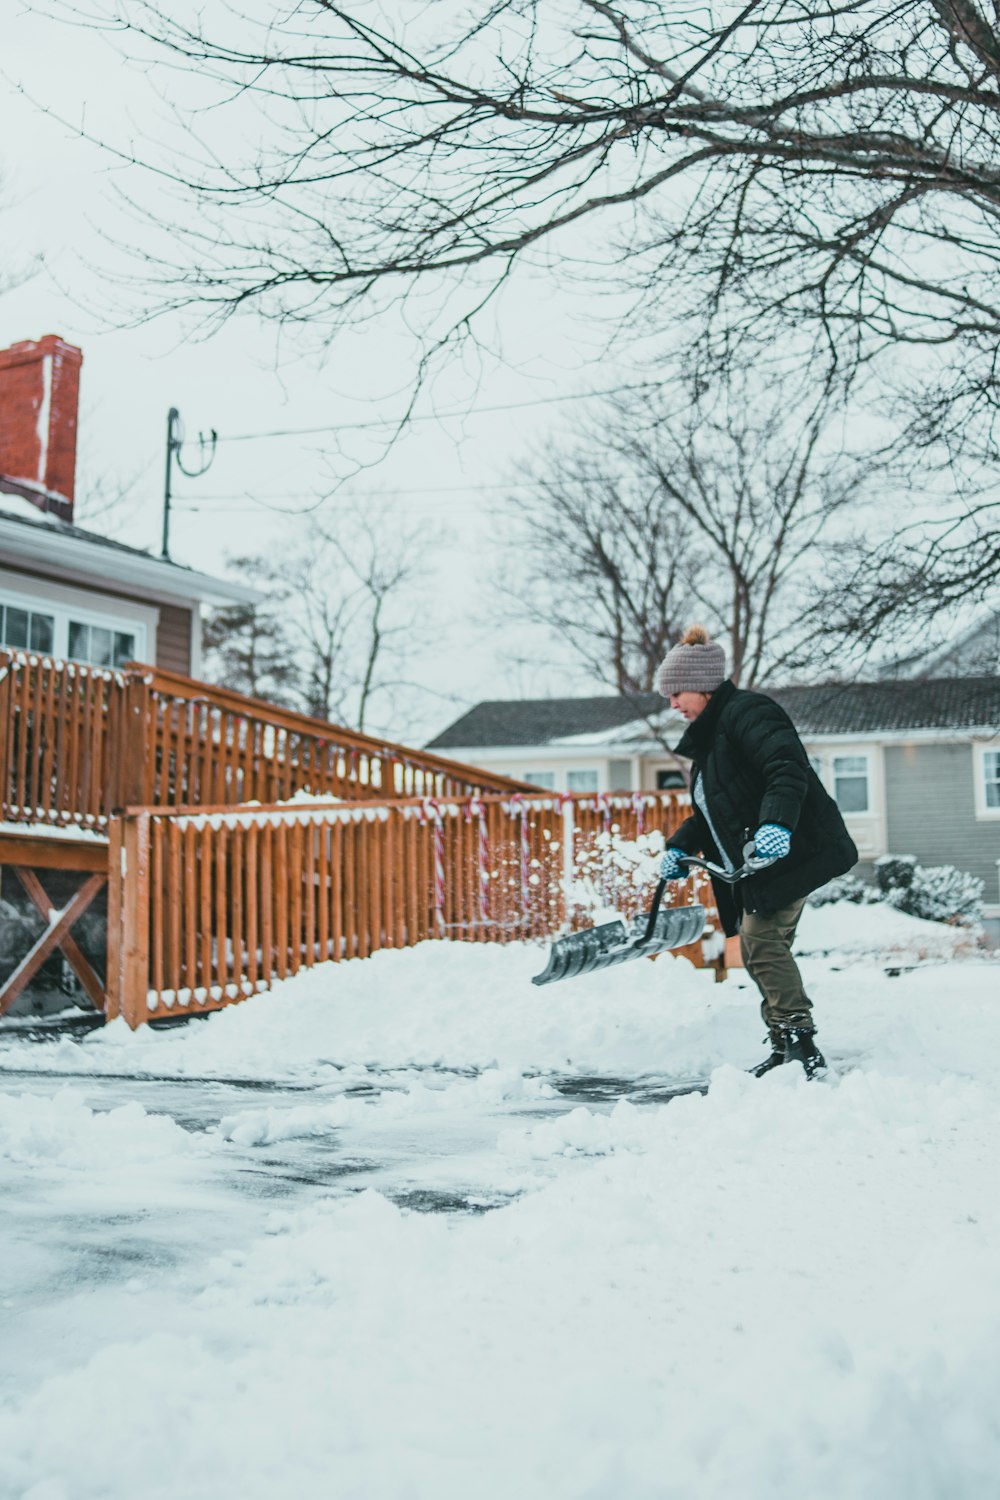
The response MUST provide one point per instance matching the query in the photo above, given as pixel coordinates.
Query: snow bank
(879, 932)
(456, 1004)
(63, 1131)
(471, 1005)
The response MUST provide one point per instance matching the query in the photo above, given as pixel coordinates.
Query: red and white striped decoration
(518, 804)
(477, 809)
(432, 813)
(639, 803)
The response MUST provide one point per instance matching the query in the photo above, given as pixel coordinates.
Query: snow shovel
(652, 932)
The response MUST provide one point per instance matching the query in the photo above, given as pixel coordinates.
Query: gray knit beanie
(695, 665)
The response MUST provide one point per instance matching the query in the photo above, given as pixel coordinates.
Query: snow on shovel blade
(602, 947)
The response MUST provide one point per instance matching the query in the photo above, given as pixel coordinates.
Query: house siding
(930, 811)
(173, 639)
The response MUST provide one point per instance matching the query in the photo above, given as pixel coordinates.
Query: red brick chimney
(39, 394)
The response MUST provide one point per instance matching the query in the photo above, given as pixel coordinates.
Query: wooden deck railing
(77, 742)
(207, 906)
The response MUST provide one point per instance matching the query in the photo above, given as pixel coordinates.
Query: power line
(443, 416)
(388, 493)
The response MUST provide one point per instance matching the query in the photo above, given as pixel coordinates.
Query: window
(850, 783)
(73, 624)
(99, 645)
(582, 781)
(670, 781)
(544, 779)
(816, 761)
(991, 777)
(25, 628)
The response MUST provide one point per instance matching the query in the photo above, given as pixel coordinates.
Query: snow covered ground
(228, 1271)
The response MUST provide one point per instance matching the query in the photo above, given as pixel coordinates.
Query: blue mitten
(771, 841)
(673, 865)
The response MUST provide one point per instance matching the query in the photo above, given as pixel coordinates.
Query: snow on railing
(218, 903)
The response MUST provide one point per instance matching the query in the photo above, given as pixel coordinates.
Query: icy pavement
(410, 1228)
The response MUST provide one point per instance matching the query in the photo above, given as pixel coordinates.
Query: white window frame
(584, 771)
(65, 604)
(33, 614)
(860, 812)
(984, 812)
(544, 780)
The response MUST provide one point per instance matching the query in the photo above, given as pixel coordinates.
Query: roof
(60, 545)
(834, 708)
(540, 721)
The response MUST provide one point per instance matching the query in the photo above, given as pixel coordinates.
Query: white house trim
(84, 560)
(868, 829)
(984, 814)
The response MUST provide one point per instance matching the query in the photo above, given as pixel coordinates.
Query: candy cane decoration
(518, 804)
(432, 810)
(639, 803)
(607, 875)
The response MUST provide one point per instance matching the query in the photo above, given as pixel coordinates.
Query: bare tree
(723, 505)
(836, 163)
(828, 171)
(247, 645)
(598, 560)
(345, 613)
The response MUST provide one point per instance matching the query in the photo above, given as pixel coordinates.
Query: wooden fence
(208, 906)
(78, 742)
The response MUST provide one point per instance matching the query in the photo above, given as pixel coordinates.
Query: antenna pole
(175, 442)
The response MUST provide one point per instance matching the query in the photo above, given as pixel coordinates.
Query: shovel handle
(654, 911)
(752, 865)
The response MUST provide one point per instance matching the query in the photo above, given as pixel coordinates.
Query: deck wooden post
(136, 770)
(135, 918)
(113, 1003)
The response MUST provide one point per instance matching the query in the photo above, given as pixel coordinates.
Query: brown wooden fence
(208, 906)
(77, 742)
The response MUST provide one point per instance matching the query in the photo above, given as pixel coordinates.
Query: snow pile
(456, 1004)
(263, 1127)
(63, 1131)
(878, 931)
(470, 1005)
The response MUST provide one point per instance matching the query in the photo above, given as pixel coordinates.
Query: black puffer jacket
(755, 770)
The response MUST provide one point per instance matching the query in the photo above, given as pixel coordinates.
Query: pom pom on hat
(696, 665)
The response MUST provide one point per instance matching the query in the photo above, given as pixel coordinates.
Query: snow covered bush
(894, 872)
(844, 888)
(940, 894)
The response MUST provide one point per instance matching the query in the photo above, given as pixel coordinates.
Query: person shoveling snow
(750, 771)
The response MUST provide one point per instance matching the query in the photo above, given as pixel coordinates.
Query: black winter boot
(800, 1047)
(777, 1057)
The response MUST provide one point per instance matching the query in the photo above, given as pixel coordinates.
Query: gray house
(914, 765)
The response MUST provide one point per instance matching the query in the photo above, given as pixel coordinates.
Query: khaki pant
(766, 945)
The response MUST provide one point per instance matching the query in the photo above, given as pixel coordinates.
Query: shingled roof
(946, 703)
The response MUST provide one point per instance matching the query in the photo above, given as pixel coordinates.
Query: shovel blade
(603, 947)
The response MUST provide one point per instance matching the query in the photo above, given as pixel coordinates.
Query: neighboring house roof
(949, 703)
(946, 703)
(540, 721)
(55, 544)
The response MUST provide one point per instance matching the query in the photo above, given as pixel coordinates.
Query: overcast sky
(60, 202)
